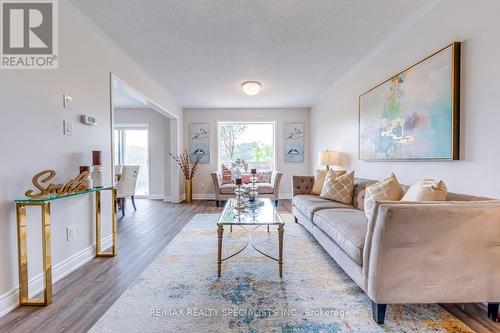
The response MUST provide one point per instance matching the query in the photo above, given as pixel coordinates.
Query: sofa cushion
(308, 204)
(347, 227)
(227, 188)
(265, 188)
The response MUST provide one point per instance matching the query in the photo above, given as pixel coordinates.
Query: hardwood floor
(83, 296)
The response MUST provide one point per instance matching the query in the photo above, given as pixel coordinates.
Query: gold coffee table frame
(22, 235)
(225, 219)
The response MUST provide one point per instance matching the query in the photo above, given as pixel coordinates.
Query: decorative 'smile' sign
(41, 182)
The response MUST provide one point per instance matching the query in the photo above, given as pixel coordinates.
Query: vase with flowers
(189, 167)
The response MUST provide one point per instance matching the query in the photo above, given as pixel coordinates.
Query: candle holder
(97, 178)
(239, 191)
(253, 193)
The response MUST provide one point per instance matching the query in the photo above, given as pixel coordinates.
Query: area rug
(180, 291)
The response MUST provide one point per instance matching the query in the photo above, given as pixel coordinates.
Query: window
(252, 142)
(131, 148)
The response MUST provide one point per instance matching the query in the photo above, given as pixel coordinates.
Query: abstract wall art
(293, 142)
(415, 114)
(199, 142)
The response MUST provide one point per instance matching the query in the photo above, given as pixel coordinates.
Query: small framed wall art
(293, 142)
(199, 142)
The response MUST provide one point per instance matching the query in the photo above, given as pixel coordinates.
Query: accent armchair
(270, 190)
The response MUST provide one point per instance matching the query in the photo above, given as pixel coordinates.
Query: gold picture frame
(396, 144)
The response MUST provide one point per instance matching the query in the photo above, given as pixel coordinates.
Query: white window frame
(132, 126)
(246, 122)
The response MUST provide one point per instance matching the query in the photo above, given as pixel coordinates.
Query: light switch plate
(67, 128)
(70, 232)
(67, 102)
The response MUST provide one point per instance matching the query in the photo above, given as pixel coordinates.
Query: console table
(44, 204)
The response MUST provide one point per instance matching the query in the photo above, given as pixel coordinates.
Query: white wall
(334, 118)
(32, 140)
(203, 184)
(159, 145)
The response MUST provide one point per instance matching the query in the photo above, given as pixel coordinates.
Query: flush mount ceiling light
(251, 88)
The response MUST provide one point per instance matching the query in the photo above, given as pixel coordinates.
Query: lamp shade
(328, 157)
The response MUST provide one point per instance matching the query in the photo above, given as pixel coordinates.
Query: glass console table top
(265, 214)
(56, 197)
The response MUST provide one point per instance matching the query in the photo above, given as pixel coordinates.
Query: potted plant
(189, 169)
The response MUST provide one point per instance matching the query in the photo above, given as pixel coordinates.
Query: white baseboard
(169, 199)
(10, 300)
(156, 196)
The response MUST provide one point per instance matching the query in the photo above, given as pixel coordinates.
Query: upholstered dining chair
(125, 187)
(118, 172)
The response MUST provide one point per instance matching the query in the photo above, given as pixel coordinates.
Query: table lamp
(327, 158)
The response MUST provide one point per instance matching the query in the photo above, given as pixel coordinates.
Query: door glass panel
(132, 149)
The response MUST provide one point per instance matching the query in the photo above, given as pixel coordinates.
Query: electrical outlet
(67, 128)
(70, 232)
(67, 102)
(203, 186)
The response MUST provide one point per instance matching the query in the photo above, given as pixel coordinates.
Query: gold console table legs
(98, 251)
(22, 236)
(23, 255)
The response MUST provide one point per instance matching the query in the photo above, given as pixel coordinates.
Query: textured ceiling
(202, 50)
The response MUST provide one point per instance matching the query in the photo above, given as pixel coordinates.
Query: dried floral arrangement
(240, 164)
(188, 168)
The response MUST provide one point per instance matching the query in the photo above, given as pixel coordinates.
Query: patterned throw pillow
(338, 188)
(387, 189)
(226, 175)
(319, 179)
(426, 190)
(245, 179)
(264, 176)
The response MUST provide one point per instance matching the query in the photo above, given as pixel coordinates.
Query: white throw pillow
(340, 188)
(426, 190)
(387, 189)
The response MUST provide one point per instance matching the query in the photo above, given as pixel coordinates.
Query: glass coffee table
(250, 219)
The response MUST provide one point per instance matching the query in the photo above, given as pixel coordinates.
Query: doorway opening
(143, 135)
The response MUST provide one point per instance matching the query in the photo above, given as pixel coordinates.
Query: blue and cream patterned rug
(180, 291)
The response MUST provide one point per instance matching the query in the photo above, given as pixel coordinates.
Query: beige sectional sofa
(409, 252)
